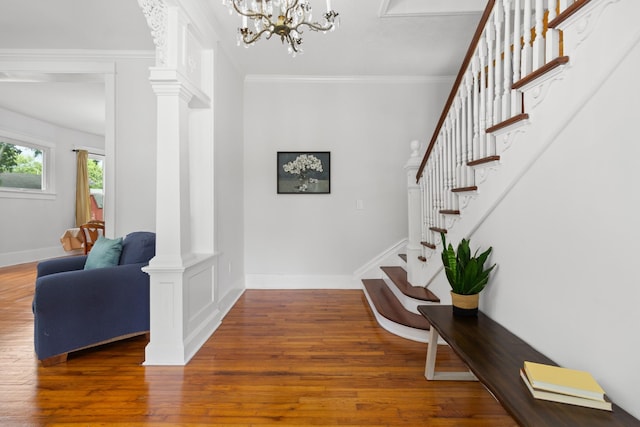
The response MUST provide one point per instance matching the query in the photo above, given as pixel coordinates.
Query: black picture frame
(304, 172)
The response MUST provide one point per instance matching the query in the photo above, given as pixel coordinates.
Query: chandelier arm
(312, 26)
(257, 36)
(292, 43)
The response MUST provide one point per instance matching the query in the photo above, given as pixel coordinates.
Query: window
(24, 167)
(95, 168)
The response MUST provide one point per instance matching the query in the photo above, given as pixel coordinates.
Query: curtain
(83, 207)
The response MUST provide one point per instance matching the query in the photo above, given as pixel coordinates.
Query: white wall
(30, 228)
(294, 240)
(135, 151)
(566, 239)
(229, 191)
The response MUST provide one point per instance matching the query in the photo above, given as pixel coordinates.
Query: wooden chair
(90, 233)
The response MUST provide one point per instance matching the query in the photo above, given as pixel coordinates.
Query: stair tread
(398, 276)
(388, 305)
(403, 257)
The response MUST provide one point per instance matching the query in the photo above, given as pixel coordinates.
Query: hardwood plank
(279, 358)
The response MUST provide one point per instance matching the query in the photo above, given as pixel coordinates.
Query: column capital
(167, 81)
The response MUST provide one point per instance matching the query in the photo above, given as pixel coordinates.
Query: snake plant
(466, 274)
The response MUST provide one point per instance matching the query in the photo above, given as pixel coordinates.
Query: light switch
(359, 204)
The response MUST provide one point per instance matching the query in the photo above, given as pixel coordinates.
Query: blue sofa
(75, 308)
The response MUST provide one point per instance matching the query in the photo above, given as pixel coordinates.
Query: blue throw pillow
(104, 253)
(138, 247)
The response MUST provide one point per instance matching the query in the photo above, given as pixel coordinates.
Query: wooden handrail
(463, 69)
(579, 4)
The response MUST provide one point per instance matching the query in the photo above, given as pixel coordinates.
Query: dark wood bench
(494, 356)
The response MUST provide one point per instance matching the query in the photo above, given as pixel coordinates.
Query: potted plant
(466, 274)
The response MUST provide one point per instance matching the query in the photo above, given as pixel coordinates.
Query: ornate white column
(414, 247)
(184, 309)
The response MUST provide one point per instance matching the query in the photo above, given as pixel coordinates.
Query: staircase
(519, 49)
(394, 302)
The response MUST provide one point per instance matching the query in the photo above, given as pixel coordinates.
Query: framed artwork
(304, 172)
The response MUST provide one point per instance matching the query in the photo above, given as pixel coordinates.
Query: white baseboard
(276, 281)
(387, 257)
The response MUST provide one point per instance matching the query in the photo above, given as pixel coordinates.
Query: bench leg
(430, 366)
(432, 350)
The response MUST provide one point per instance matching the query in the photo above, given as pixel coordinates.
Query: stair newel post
(552, 38)
(539, 42)
(516, 104)
(415, 211)
(497, 104)
(526, 66)
(506, 63)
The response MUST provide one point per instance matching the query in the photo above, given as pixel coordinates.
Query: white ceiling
(376, 38)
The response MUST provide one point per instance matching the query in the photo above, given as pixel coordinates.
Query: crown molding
(420, 8)
(77, 54)
(277, 78)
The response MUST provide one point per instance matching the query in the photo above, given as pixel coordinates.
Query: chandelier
(285, 18)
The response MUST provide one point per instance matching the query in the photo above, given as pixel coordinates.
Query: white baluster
(445, 149)
(462, 152)
(564, 4)
(457, 145)
(434, 208)
(429, 199)
(476, 107)
(526, 66)
(507, 65)
(482, 102)
(469, 142)
(538, 42)
(438, 183)
(443, 177)
(497, 100)
(447, 162)
(516, 100)
(552, 50)
(492, 64)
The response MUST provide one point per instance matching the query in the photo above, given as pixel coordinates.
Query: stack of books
(564, 385)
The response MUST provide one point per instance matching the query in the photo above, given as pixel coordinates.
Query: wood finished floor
(279, 358)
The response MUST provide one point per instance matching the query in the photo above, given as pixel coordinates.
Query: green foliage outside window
(95, 173)
(20, 166)
(8, 156)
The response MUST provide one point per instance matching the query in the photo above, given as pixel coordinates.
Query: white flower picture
(303, 172)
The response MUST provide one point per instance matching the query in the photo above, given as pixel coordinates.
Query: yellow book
(563, 380)
(565, 398)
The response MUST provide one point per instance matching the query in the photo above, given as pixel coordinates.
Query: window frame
(48, 166)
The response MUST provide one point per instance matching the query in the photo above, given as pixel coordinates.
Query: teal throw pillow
(104, 253)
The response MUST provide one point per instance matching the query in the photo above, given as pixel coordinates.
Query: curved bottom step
(391, 315)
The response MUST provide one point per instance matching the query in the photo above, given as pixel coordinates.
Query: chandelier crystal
(284, 18)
